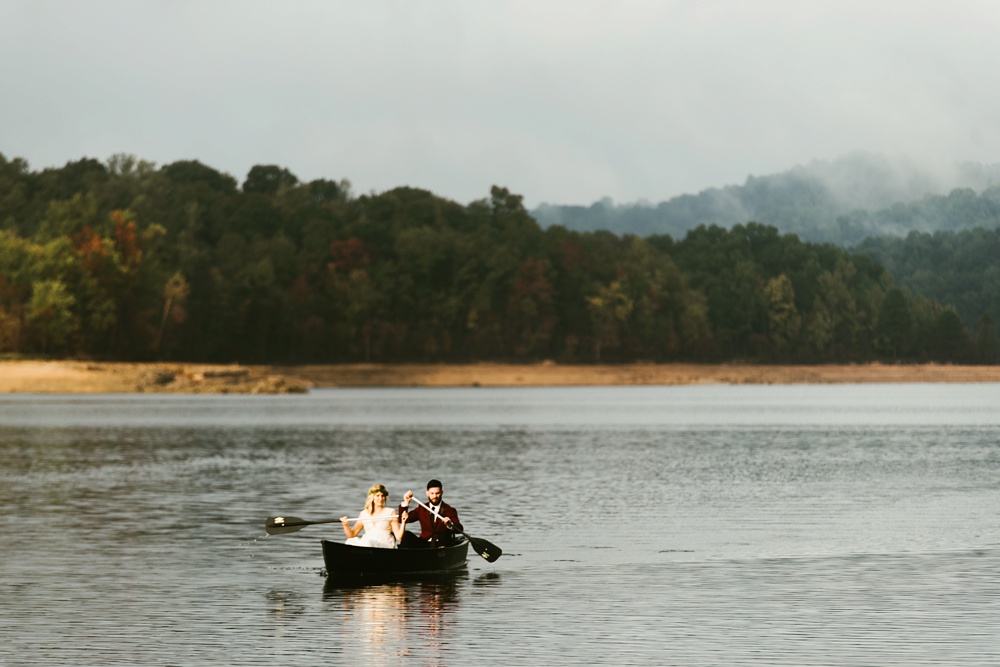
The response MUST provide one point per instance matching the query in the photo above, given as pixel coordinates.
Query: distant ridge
(840, 201)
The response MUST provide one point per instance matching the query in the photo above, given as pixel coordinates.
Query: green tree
(836, 320)
(15, 194)
(11, 316)
(50, 314)
(175, 293)
(895, 324)
(948, 339)
(79, 215)
(531, 316)
(268, 179)
(609, 309)
(784, 321)
(987, 344)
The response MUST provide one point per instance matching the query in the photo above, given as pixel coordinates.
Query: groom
(438, 526)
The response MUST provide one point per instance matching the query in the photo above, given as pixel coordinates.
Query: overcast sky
(562, 101)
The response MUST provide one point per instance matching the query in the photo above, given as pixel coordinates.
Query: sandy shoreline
(78, 377)
(118, 377)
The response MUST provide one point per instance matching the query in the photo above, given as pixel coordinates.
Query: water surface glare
(750, 525)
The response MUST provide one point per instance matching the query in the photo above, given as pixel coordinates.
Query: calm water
(805, 525)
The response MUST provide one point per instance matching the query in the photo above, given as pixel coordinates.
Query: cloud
(563, 101)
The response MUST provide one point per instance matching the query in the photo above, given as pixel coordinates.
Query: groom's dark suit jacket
(431, 528)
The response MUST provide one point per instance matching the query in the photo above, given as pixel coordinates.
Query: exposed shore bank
(78, 377)
(75, 377)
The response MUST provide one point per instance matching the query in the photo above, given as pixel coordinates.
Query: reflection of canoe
(344, 561)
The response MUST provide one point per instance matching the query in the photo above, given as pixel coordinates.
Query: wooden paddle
(484, 548)
(280, 525)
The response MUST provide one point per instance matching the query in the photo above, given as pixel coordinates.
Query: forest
(125, 260)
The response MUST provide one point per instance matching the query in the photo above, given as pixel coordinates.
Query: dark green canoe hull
(345, 561)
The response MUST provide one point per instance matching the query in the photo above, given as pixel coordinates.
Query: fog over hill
(842, 201)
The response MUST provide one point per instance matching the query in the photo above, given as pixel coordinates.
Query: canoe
(345, 561)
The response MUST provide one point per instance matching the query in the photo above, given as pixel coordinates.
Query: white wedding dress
(378, 532)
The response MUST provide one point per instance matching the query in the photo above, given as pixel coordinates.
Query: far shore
(80, 377)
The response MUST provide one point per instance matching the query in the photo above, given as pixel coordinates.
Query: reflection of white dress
(378, 532)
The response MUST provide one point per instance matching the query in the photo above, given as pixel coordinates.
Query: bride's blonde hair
(376, 489)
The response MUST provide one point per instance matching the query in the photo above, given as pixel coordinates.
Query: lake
(698, 525)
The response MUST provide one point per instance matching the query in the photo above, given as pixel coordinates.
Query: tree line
(124, 260)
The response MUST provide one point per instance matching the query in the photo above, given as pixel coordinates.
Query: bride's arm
(351, 532)
(398, 526)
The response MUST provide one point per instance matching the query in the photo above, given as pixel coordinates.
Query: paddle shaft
(280, 525)
(294, 521)
(484, 548)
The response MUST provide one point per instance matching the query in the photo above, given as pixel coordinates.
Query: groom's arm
(404, 507)
(452, 515)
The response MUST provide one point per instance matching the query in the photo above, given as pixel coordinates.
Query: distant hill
(841, 201)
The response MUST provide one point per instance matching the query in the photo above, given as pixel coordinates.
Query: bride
(381, 525)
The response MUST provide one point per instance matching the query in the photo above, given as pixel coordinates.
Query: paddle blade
(279, 525)
(484, 548)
